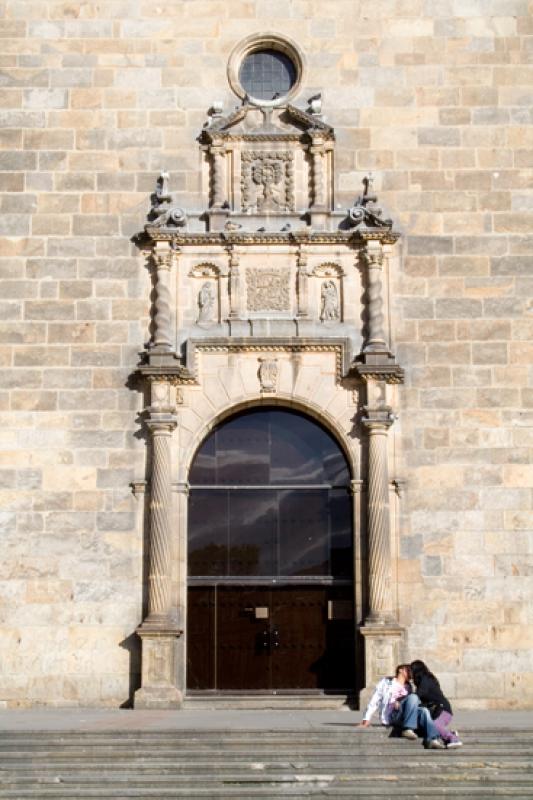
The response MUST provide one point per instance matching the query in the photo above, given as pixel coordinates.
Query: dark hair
(399, 667)
(419, 670)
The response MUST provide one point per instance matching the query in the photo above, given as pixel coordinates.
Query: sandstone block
(457, 308)
(490, 353)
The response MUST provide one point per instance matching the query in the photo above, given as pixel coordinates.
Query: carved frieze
(267, 289)
(267, 181)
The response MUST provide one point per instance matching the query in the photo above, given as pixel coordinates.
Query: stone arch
(306, 407)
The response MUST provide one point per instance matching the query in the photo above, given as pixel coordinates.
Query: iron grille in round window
(267, 74)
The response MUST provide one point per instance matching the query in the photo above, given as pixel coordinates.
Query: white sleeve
(375, 701)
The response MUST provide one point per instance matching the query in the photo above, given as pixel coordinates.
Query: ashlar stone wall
(95, 98)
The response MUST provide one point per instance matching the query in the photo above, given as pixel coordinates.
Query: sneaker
(408, 733)
(455, 743)
(436, 744)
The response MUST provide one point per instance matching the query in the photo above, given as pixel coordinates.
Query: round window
(267, 74)
(266, 69)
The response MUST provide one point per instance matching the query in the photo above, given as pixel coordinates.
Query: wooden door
(270, 639)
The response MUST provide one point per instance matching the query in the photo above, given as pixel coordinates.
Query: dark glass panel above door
(269, 446)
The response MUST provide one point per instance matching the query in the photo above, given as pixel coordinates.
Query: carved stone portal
(267, 289)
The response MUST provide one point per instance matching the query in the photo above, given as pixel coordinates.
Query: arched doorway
(270, 557)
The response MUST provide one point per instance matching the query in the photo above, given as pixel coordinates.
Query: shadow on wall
(132, 644)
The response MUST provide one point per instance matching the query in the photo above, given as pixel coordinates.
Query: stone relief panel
(267, 181)
(268, 289)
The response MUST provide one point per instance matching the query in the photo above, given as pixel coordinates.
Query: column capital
(373, 253)
(357, 486)
(161, 422)
(377, 419)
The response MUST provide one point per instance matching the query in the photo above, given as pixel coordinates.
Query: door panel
(270, 639)
(243, 639)
(201, 638)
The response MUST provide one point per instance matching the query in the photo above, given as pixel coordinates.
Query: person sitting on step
(432, 697)
(400, 708)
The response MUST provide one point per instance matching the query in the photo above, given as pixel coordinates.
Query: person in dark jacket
(432, 697)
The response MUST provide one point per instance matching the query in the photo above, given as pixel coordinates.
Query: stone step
(307, 702)
(270, 764)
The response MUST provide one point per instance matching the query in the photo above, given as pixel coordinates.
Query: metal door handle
(266, 639)
(275, 637)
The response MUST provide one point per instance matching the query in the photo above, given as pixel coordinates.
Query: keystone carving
(268, 374)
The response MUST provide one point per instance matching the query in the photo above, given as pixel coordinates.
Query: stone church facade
(266, 344)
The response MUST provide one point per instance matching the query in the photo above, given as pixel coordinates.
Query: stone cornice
(182, 238)
(390, 373)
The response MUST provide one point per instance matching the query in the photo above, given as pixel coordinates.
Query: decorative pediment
(250, 121)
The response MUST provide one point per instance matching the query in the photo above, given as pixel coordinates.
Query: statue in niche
(206, 303)
(330, 302)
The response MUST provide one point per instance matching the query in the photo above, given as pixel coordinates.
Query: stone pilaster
(164, 258)
(160, 629)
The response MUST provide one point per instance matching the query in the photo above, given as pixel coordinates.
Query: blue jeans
(412, 715)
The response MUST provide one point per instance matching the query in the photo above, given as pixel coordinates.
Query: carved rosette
(267, 181)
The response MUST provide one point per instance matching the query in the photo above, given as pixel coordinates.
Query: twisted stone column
(162, 339)
(160, 630)
(234, 287)
(302, 285)
(377, 424)
(376, 320)
(159, 579)
(218, 156)
(319, 185)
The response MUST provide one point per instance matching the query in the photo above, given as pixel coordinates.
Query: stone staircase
(331, 761)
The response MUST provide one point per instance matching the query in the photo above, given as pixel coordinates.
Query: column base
(159, 643)
(382, 653)
(158, 697)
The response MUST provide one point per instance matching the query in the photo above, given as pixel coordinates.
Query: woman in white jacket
(398, 706)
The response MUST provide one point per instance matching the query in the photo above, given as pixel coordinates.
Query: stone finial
(165, 213)
(365, 211)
